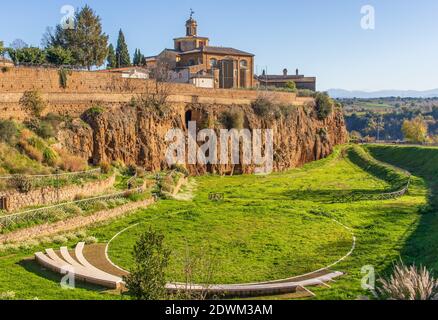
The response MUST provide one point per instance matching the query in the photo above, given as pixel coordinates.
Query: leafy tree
(415, 130)
(59, 56)
(33, 103)
(32, 55)
(138, 58)
(87, 42)
(324, 105)
(122, 53)
(8, 131)
(146, 280)
(291, 86)
(111, 58)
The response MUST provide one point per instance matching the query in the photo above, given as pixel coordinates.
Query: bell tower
(191, 26)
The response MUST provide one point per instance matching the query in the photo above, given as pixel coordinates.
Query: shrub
(63, 78)
(5, 69)
(94, 111)
(81, 234)
(31, 151)
(22, 183)
(305, 93)
(73, 210)
(324, 105)
(233, 119)
(105, 167)
(90, 240)
(33, 103)
(69, 162)
(50, 156)
(99, 206)
(8, 131)
(60, 239)
(262, 107)
(8, 295)
(409, 283)
(181, 169)
(45, 130)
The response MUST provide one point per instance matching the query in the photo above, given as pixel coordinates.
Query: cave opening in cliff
(188, 117)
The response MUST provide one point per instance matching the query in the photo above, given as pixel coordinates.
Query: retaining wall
(14, 200)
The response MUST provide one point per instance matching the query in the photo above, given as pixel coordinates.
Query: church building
(194, 60)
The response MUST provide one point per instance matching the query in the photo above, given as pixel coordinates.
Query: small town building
(225, 67)
(281, 81)
(129, 72)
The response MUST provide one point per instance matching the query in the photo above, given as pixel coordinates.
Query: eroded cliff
(136, 135)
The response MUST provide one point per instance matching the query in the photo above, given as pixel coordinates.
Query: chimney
(284, 72)
(298, 72)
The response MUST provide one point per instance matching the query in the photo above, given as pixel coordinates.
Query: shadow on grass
(328, 196)
(421, 246)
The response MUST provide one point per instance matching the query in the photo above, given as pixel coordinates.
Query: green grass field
(272, 227)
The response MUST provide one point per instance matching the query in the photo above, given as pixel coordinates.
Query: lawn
(267, 227)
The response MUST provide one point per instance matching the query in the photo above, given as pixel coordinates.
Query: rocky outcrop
(136, 135)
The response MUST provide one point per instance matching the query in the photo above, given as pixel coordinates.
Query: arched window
(243, 64)
(213, 62)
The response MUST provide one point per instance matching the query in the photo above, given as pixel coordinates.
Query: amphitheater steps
(62, 262)
(91, 265)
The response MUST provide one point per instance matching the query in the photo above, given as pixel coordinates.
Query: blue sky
(322, 38)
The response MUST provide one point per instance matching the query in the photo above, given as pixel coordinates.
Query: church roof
(219, 50)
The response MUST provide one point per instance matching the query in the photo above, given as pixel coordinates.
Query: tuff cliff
(136, 135)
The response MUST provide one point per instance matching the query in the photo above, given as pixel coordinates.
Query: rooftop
(219, 50)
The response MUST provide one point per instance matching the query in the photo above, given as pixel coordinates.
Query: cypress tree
(111, 59)
(136, 58)
(122, 54)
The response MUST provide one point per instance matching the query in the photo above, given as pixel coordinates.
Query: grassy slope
(382, 228)
(421, 246)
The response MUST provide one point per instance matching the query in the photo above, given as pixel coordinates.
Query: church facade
(193, 55)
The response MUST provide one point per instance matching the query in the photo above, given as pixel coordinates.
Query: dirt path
(72, 223)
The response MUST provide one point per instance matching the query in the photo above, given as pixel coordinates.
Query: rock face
(136, 135)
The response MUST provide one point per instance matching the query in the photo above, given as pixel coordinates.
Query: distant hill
(340, 93)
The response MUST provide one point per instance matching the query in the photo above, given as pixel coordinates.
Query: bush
(305, 93)
(63, 78)
(324, 105)
(233, 119)
(33, 103)
(90, 240)
(94, 111)
(50, 157)
(105, 167)
(69, 162)
(31, 151)
(60, 239)
(22, 183)
(262, 107)
(181, 169)
(8, 131)
(409, 283)
(45, 130)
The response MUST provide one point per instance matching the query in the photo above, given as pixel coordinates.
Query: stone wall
(15, 200)
(85, 89)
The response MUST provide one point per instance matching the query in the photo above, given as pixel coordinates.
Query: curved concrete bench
(85, 271)
(82, 269)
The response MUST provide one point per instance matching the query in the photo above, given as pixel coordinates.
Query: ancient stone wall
(85, 89)
(15, 200)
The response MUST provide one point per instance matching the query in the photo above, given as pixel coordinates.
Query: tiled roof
(219, 50)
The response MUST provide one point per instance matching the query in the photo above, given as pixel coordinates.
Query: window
(213, 63)
(243, 64)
